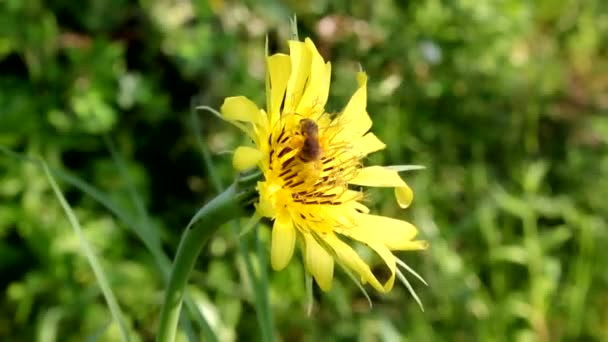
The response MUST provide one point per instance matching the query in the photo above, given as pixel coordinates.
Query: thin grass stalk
(100, 276)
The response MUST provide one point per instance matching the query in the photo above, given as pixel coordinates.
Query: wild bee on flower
(310, 162)
(311, 150)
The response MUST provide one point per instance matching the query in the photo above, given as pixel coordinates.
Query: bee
(311, 147)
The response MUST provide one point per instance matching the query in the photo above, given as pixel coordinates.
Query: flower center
(310, 164)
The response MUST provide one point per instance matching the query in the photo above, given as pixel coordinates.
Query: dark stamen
(328, 160)
(284, 173)
(290, 177)
(282, 105)
(296, 184)
(286, 163)
(284, 151)
(281, 135)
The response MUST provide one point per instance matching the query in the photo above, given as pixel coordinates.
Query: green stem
(263, 289)
(258, 284)
(220, 210)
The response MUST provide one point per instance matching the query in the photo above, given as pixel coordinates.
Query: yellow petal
(267, 207)
(354, 119)
(279, 70)
(240, 108)
(378, 244)
(415, 245)
(315, 94)
(282, 243)
(379, 176)
(357, 206)
(350, 259)
(246, 157)
(395, 234)
(319, 263)
(404, 196)
(389, 259)
(300, 57)
(367, 144)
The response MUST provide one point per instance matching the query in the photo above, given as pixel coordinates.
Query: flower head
(312, 166)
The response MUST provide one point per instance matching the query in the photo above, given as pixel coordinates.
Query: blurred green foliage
(505, 102)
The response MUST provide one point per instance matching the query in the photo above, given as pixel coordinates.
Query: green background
(504, 102)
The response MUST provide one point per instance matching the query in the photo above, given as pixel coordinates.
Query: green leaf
(100, 275)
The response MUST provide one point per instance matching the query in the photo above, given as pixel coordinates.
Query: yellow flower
(311, 163)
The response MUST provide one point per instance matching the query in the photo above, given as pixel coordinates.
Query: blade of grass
(91, 258)
(263, 286)
(197, 129)
(146, 227)
(161, 259)
(260, 291)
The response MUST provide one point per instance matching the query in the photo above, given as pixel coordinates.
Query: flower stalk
(221, 209)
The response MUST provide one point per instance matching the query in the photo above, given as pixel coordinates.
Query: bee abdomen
(311, 150)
